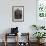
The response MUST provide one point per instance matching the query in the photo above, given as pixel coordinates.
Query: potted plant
(39, 35)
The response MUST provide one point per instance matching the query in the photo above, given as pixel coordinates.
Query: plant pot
(40, 41)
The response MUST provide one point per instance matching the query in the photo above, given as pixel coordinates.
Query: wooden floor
(13, 44)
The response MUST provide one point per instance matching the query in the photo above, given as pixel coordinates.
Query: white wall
(6, 15)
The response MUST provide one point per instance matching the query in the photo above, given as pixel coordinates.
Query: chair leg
(5, 43)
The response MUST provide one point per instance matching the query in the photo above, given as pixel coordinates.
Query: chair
(26, 41)
(14, 32)
(7, 35)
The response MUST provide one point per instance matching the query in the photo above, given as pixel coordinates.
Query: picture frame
(18, 13)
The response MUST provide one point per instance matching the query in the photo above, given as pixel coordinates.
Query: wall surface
(6, 15)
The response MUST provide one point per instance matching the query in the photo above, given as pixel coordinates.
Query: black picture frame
(18, 13)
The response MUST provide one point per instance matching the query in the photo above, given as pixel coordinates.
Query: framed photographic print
(17, 13)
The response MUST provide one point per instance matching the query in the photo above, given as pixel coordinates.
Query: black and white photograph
(17, 13)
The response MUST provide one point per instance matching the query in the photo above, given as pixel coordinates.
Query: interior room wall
(6, 15)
